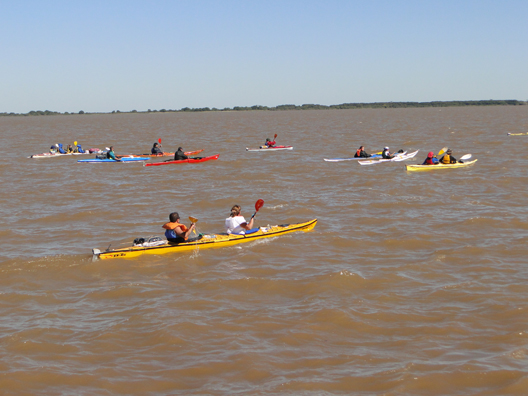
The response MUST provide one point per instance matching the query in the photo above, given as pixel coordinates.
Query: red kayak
(189, 160)
(188, 153)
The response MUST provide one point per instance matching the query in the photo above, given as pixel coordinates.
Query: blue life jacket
(61, 150)
(80, 149)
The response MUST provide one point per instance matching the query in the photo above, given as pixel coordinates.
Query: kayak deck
(438, 166)
(185, 161)
(207, 241)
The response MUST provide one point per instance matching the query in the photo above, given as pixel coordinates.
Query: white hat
(386, 148)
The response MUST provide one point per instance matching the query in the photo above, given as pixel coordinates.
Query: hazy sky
(106, 55)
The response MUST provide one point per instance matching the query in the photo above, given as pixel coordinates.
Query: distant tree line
(378, 105)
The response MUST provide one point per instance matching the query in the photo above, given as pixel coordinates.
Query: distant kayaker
(270, 143)
(60, 149)
(362, 153)
(386, 154)
(236, 223)
(110, 154)
(53, 149)
(431, 159)
(180, 155)
(156, 149)
(175, 231)
(69, 149)
(448, 158)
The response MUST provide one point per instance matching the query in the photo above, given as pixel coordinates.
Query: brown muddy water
(410, 284)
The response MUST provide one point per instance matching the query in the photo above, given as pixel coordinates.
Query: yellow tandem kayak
(205, 242)
(438, 166)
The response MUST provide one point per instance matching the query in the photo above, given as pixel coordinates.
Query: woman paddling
(236, 223)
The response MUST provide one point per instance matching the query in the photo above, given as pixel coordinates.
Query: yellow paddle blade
(193, 219)
(442, 151)
(75, 143)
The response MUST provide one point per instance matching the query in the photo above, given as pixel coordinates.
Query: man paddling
(270, 143)
(448, 158)
(180, 155)
(110, 154)
(156, 149)
(175, 231)
(386, 154)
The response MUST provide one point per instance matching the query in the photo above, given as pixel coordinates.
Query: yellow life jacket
(446, 159)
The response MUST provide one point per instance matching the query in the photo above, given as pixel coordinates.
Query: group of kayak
(447, 160)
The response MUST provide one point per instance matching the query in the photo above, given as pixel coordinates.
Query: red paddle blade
(159, 140)
(259, 204)
(275, 137)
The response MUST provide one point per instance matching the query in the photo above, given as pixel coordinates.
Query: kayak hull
(187, 161)
(414, 168)
(275, 148)
(206, 242)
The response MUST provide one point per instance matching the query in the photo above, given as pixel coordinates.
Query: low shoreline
(288, 107)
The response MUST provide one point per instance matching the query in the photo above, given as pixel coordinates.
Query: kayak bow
(206, 241)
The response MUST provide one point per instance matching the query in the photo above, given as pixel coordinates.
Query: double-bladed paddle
(442, 151)
(259, 204)
(193, 220)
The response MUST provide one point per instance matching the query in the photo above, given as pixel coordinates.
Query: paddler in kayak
(110, 154)
(236, 223)
(448, 158)
(175, 231)
(361, 153)
(386, 153)
(156, 149)
(180, 155)
(431, 159)
(270, 143)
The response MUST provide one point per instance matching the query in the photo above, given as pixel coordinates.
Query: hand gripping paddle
(193, 220)
(259, 204)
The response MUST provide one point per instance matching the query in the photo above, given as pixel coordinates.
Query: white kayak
(274, 148)
(399, 157)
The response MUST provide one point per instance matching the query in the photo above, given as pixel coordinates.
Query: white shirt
(232, 225)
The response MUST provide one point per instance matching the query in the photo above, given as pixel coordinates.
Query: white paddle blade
(465, 157)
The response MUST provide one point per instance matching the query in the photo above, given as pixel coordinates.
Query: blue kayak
(122, 159)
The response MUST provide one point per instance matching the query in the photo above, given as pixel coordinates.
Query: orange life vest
(172, 226)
